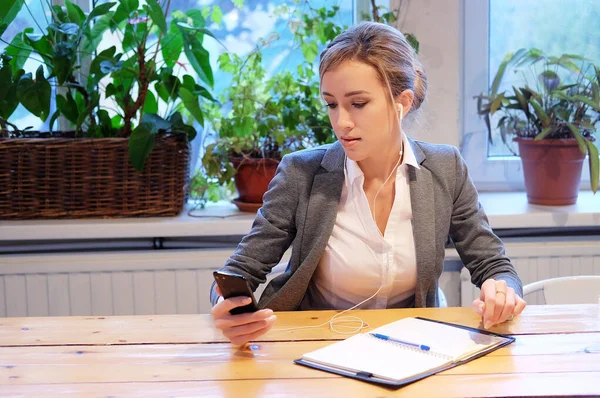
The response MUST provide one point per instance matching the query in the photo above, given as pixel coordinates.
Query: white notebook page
(447, 340)
(396, 362)
(383, 359)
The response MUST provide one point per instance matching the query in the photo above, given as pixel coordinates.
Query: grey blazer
(300, 209)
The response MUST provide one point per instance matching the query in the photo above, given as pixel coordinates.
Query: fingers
(478, 306)
(488, 291)
(247, 331)
(509, 306)
(231, 321)
(244, 329)
(243, 339)
(241, 328)
(225, 306)
(519, 306)
(497, 303)
(218, 291)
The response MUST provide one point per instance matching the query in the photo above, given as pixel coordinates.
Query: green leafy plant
(126, 90)
(559, 99)
(267, 117)
(380, 13)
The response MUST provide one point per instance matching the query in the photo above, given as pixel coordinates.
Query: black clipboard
(365, 376)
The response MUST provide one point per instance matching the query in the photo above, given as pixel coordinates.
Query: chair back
(567, 290)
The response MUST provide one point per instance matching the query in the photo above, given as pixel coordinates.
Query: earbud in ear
(401, 110)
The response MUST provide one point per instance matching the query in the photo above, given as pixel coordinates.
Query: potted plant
(130, 116)
(552, 116)
(266, 117)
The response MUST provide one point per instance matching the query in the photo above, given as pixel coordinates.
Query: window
(33, 15)
(492, 29)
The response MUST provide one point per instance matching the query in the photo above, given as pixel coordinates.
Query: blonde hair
(386, 50)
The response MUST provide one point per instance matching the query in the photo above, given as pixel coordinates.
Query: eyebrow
(350, 94)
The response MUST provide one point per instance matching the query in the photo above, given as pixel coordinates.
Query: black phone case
(235, 286)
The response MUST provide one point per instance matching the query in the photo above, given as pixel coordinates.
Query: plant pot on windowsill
(252, 179)
(552, 170)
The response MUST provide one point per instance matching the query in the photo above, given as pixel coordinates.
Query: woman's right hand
(241, 328)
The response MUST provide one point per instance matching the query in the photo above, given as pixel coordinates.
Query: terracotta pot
(252, 179)
(552, 170)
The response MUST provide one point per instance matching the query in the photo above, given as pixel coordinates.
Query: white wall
(437, 26)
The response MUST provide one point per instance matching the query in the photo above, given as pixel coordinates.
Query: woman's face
(361, 114)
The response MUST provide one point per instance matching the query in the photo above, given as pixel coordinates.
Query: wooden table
(183, 355)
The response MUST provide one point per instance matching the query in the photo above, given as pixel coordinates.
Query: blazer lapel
(322, 210)
(423, 223)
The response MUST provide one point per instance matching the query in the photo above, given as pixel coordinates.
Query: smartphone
(235, 285)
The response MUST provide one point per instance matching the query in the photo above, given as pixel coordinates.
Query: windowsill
(505, 210)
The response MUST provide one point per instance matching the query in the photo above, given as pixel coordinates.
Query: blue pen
(384, 337)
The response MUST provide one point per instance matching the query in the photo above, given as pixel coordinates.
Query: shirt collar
(353, 172)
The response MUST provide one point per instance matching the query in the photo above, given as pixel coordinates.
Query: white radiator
(536, 260)
(117, 283)
(178, 281)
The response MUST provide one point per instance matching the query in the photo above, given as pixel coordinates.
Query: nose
(344, 121)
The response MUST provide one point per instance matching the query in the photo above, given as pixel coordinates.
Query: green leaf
(35, 95)
(108, 66)
(19, 50)
(594, 164)
(8, 91)
(150, 104)
(586, 101)
(310, 50)
(496, 103)
(196, 16)
(93, 36)
(544, 118)
(595, 94)
(204, 31)
(157, 15)
(88, 110)
(76, 15)
(157, 122)
(141, 143)
(68, 107)
(100, 10)
(53, 119)
(543, 134)
(580, 140)
(8, 12)
(522, 100)
(500, 73)
(6, 75)
(179, 127)
(162, 92)
(96, 73)
(42, 46)
(172, 45)
(64, 57)
(190, 101)
(200, 60)
(238, 3)
(104, 118)
(216, 15)
(129, 6)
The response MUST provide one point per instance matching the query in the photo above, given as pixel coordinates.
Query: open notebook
(395, 364)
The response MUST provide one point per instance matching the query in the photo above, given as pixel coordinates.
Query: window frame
(488, 173)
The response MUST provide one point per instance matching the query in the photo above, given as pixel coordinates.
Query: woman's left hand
(497, 303)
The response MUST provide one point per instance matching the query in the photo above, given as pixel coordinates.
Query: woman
(368, 216)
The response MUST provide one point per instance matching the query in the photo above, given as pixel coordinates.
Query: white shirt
(358, 259)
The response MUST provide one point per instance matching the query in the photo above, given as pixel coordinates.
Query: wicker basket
(90, 178)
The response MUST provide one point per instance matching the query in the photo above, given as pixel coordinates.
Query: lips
(349, 141)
